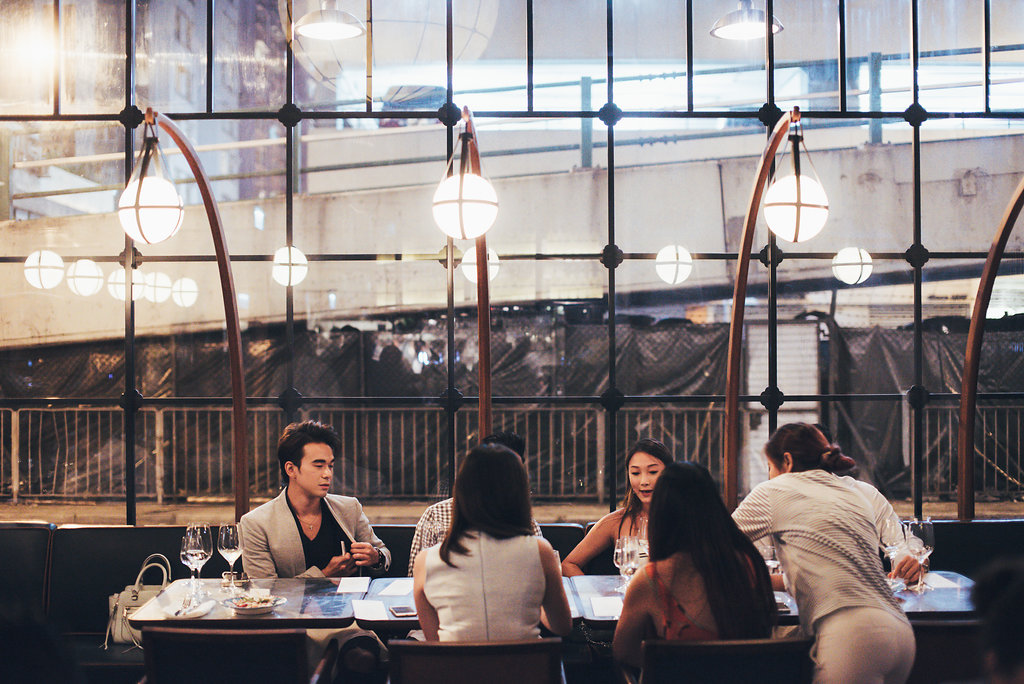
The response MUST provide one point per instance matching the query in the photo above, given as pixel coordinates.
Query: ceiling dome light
(852, 265)
(85, 277)
(44, 269)
(743, 23)
(184, 292)
(673, 264)
(290, 266)
(469, 264)
(157, 288)
(329, 23)
(465, 206)
(116, 284)
(794, 211)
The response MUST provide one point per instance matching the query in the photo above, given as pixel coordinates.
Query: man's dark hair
(510, 439)
(298, 435)
(492, 495)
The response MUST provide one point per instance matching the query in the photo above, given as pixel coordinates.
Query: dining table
(945, 596)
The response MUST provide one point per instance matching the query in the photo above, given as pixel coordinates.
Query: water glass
(770, 559)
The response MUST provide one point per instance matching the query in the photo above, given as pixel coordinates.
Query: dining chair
(757, 661)
(538, 661)
(175, 654)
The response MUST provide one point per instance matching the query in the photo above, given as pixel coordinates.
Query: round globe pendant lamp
(44, 269)
(852, 265)
(795, 205)
(150, 209)
(85, 277)
(673, 264)
(465, 204)
(290, 266)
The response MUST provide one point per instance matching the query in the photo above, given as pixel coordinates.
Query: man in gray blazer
(306, 532)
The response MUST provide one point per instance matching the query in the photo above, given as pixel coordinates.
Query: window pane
(951, 71)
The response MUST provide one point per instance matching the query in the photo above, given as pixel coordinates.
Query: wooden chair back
(538, 661)
(758, 661)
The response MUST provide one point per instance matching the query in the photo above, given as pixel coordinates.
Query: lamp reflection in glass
(157, 287)
(851, 265)
(85, 277)
(116, 284)
(673, 264)
(150, 209)
(743, 23)
(468, 266)
(796, 206)
(184, 292)
(290, 266)
(329, 23)
(44, 269)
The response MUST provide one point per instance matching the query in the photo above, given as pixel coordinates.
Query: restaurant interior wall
(350, 185)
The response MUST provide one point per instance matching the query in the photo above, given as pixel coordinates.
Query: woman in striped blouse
(826, 541)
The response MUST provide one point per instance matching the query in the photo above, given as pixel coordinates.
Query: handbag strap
(154, 560)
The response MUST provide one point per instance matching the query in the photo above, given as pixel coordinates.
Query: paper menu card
(369, 610)
(400, 587)
(939, 582)
(354, 585)
(606, 606)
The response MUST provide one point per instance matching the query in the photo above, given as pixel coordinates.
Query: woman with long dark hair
(825, 535)
(644, 464)
(490, 579)
(705, 580)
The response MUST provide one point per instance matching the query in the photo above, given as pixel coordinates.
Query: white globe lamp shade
(85, 277)
(184, 292)
(329, 23)
(116, 284)
(673, 264)
(290, 266)
(152, 215)
(851, 265)
(44, 269)
(157, 288)
(465, 206)
(468, 266)
(782, 208)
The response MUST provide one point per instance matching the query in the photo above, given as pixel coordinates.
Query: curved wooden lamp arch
(972, 358)
(739, 296)
(240, 469)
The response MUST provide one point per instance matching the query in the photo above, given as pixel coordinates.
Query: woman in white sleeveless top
(490, 579)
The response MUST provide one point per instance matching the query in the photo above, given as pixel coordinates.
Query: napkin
(939, 582)
(400, 587)
(194, 612)
(369, 610)
(353, 585)
(606, 606)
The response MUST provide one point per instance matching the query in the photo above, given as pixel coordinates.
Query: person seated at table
(998, 597)
(907, 567)
(307, 532)
(705, 580)
(825, 536)
(490, 579)
(434, 523)
(644, 464)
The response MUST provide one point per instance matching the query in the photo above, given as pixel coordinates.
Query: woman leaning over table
(705, 579)
(644, 464)
(490, 579)
(825, 537)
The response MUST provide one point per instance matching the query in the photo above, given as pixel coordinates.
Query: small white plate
(258, 607)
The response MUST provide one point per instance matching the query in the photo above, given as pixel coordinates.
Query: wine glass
(230, 546)
(617, 554)
(770, 560)
(920, 543)
(644, 546)
(200, 549)
(894, 539)
(191, 550)
(630, 557)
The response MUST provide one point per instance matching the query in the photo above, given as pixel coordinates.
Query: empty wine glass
(230, 546)
(617, 554)
(770, 560)
(200, 549)
(630, 557)
(893, 540)
(191, 549)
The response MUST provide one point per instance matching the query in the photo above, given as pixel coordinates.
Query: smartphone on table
(403, 611)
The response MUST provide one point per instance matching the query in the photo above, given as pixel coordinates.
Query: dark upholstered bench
(601, 564)
(25, 548)
(398, 539)
(563, 536)
(91, 562)
(967, 547)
